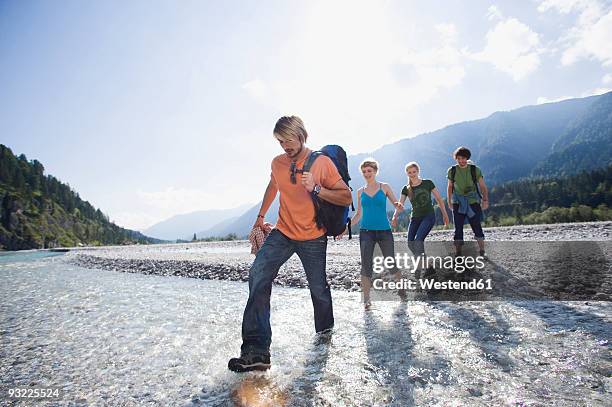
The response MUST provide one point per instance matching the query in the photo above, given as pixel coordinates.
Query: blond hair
(369, 162)
(290, 128)
(411, 164)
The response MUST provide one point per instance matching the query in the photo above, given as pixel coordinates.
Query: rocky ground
(231, 260)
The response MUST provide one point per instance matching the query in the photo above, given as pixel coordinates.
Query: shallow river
(112, 338)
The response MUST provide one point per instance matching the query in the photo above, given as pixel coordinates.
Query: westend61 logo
(454, 268)
(404, 261)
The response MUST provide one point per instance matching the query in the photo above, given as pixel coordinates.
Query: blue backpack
(333, 217)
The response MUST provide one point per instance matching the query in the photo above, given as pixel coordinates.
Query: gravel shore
(232, 260)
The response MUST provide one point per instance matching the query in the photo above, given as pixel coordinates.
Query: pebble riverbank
(232, 260)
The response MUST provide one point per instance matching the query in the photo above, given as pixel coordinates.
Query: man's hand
(484, 204)
(259, 222)
(308, 181)
(398, 205)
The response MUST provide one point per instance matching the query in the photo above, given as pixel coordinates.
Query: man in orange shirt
(295, 232)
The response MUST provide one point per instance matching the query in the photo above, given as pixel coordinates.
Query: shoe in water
(249, 362)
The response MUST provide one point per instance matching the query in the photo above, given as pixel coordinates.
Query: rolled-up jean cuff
(479, 238)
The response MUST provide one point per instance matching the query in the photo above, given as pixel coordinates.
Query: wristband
(260, 216)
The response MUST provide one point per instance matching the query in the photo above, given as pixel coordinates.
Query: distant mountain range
(185, 225)
(552, 139)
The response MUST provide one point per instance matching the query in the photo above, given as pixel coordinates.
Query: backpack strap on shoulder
(473, 172)
(310, 160)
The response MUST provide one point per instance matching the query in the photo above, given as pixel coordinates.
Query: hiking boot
(482, 254)
(249, 362)
(324, 337)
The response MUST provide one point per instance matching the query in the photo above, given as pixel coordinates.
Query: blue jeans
(418, 230)
(459, 220)
(367, 240)
(277, 249)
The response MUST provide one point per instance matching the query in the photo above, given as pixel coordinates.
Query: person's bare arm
(268, 198)
(440, 202)
(391, 196)
(485, 193)
(357, 216)
(397, 210)
(339, 194)
(449, 194)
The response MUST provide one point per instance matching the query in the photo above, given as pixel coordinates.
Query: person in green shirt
(465, 191)
(423, 216)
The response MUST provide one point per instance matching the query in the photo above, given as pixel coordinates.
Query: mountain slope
(181, 226)
(39, 211)
(586, 143)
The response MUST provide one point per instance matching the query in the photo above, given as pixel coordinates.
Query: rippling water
(112, 338)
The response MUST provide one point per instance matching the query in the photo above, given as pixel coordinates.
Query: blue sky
(154, 108)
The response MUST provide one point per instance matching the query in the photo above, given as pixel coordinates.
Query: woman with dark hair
(465, 191)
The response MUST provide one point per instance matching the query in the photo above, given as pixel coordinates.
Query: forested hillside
(583, 197)
(39, 211)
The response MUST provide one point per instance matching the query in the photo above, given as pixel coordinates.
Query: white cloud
(590, 37)
(607, 79)
(592, 41)
(493, 13)
(512, 47)
(544, 99)
(438, 67)
(599, 91)
(351, 77)
(562, 6)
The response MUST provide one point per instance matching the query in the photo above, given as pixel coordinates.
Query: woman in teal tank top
(375, 227)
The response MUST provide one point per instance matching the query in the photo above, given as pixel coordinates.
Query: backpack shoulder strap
(473, 172)
(452, 173)
(310, 160)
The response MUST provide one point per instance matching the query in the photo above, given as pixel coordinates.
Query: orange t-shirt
(296, 215)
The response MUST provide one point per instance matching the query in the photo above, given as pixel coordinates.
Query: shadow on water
(389, 349)
(559, 316)
(303, 389)
(495, 337)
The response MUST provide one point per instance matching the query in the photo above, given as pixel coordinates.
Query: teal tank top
(374, 210)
